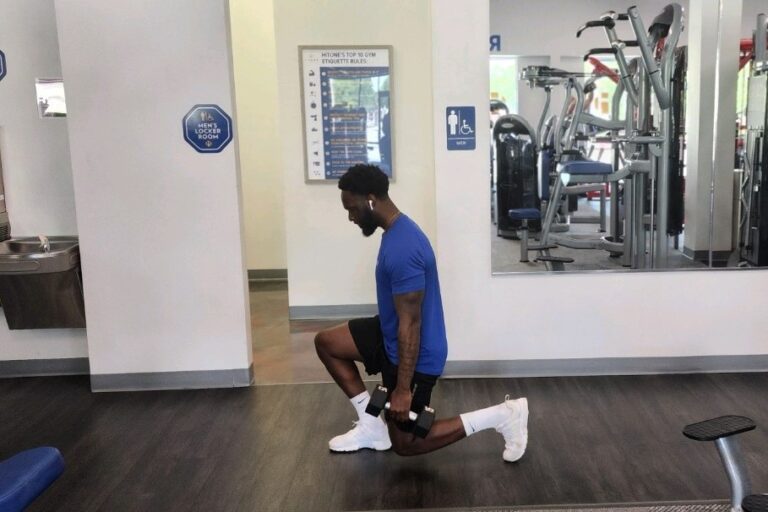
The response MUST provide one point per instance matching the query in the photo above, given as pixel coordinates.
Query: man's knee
(404, 444)
(322, 341)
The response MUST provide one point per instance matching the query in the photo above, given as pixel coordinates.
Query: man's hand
(400, 404)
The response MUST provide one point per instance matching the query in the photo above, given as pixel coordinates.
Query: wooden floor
(284, 350)
(592, 440)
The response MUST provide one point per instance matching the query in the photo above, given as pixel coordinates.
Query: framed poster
(346, 109)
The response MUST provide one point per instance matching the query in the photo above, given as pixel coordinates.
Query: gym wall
(329, 261)
(160, 224)
(36, 164)
(255, 69)
(577, 323)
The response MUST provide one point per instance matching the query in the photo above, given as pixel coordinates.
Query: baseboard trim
(703, 256)
(453, 369)
(235, 378)
(332, 312)
(269, 274)
(606, 366)
(44, 367)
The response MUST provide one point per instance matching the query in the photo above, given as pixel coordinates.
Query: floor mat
(622, 507)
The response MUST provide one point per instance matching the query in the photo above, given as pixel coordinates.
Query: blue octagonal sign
(2, 65)
(207, 128)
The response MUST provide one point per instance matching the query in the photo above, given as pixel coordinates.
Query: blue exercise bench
(583, 175)
(26, 475)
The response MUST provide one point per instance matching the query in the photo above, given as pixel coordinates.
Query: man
(406, 342)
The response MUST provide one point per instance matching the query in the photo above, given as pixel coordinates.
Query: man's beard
(368, 223)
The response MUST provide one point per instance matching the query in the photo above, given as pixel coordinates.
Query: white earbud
(370, 204)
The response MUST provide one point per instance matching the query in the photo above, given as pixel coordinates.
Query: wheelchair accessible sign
(207, 128)
(460, 128)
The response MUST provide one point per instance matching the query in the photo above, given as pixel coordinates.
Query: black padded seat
(723, 426)
(524, 214)
(755, 503)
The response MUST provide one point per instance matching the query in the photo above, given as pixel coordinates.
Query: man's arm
(408, 308)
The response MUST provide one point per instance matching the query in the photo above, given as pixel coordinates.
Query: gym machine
(515, 173)
(646, 156)
(753, 218)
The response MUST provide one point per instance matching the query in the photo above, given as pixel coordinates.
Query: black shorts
(369, 340)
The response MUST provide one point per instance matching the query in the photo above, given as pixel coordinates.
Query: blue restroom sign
(460, 128)
(207, 128)
(2, 65)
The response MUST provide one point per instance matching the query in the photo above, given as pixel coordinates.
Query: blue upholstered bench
(524, 214)
(587, 168)
(26, 475)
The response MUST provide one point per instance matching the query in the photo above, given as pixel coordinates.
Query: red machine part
(602, 69)
(747, 50)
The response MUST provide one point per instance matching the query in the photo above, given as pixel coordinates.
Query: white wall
(560, 316)
(160, 224)
(35, 158)
(329, 262)
(255, 66)
(491, 318)
(750, 10)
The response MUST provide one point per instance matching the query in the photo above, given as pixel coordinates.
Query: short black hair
(364, 179)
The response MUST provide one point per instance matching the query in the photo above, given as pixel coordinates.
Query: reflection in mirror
(599, 173)
(50, 97)
(591, 176)
(752, 209)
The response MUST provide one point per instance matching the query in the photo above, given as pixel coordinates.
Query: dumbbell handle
(411, 415)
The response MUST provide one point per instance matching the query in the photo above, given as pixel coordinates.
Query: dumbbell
(423, 421)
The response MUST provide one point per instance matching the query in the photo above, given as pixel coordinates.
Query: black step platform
(713, 429)
(755, 503)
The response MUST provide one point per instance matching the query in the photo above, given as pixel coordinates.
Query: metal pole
(540, 136)
(730, 454)
(644, 125)
(615, 227)
(662, 193)
(649, 62)
(561, 120)
(652, 222)
(714, 136)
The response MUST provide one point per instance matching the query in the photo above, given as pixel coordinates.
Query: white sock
(483, 419)
(360, 402)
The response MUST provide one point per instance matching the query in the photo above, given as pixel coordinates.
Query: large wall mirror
(602, 140)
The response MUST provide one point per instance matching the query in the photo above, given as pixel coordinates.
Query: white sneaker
(514, 429)
(365, 434)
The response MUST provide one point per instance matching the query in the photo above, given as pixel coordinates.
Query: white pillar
(160, 224)
(460, 78)
(704, 105)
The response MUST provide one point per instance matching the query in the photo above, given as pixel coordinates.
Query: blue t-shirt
(406, 263)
